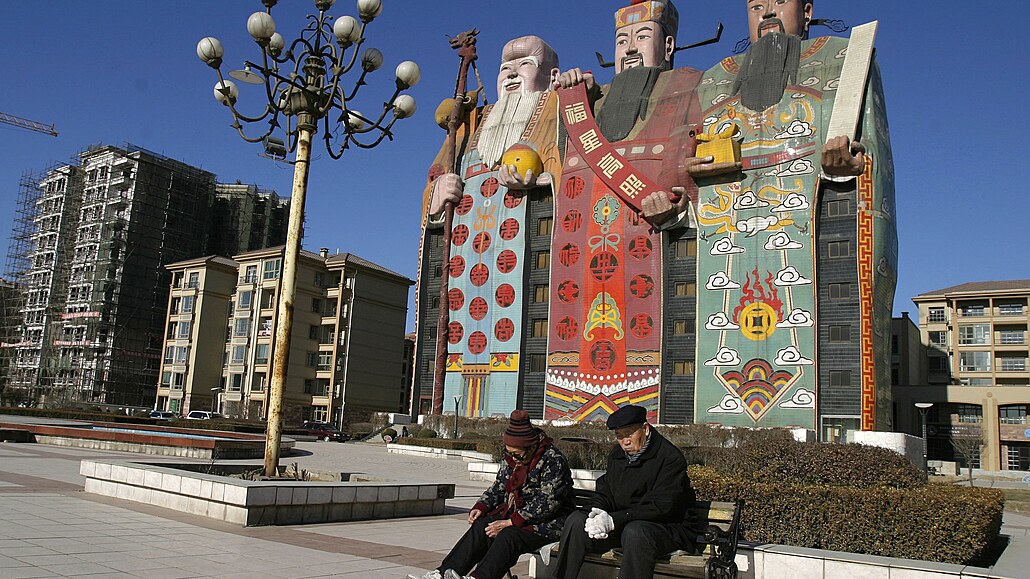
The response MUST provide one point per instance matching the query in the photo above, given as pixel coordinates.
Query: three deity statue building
(694, 242)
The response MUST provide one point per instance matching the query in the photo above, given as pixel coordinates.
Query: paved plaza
(50, 528)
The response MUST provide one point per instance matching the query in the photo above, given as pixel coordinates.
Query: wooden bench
(718, 530)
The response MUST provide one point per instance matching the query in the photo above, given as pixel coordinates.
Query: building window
(438, 271)
(686, 248)
(545, 225)
(541, 293)
(166, 379)
(840, 291)
(272, 269)
(537, 362)
(238, 354)
(184, 330)
(309, 386)
(840, 378)
(1012, 414)
(682, 327)
(319, 279)
(936, 315)
(837, 249)
(539, 328)
(235, 382)
(840, 333)
(1010, 309)
(1011, 364)
(969, 413)
(895, 376)
(974, 334)
(1010, 337)
(244, 299)
(894, 345)
(187, 304)
(683, 367)
(975, 361)
(838, 208)
(313, 332)
(257, 383)
(938, 338)
(241, 327)
(261, 354)
(316, 305)
(325, 361)
(194, 279)
(311, 360)
(685, 289)
(973, 311)
(251, 275)
(937, 364)
(543, 259)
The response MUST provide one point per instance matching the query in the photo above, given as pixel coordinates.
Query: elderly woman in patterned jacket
(523, 510)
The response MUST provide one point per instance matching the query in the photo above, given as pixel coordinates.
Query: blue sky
(117, 71)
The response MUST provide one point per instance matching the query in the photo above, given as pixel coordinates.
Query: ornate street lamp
(304, 87)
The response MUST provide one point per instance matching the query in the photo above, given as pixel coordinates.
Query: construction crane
(27, 124)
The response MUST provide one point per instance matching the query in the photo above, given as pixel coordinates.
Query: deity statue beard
(626, 101)
(505, 124)
(770, 65)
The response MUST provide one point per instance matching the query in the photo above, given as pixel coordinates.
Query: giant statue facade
(490, 194)
(571, 293)
(797, 244)
(609, 281)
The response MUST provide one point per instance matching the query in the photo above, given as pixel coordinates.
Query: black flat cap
(626, 416)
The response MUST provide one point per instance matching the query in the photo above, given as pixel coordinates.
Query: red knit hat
(520, 432)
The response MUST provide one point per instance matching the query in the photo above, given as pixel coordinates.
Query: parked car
(202, 415)
(325, 431)
(162, 415)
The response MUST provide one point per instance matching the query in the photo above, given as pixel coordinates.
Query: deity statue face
(528, 65)
(642, 44)
(787, 16)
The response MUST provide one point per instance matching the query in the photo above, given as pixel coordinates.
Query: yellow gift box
(723, 147)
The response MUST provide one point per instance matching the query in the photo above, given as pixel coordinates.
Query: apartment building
(977, 376)
(88, 251)
(346, 348)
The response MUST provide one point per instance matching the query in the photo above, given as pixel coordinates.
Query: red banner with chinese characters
(608, 165)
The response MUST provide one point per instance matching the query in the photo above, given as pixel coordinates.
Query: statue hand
(573, 77)
(843, 157)
(509, 176)
(447, 189)
(658, 208)
(700, 167)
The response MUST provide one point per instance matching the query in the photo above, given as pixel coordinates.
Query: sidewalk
(50, 528)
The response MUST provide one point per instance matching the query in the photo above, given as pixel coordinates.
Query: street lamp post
(457, 401)
(924, 407)
(304, 86)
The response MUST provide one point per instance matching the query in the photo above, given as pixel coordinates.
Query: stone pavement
(50, 528)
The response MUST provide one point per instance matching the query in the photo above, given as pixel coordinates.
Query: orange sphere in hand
(524, 158)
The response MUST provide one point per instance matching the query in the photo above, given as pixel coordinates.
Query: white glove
(599, 523)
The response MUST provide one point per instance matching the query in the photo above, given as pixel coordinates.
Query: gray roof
(982, 287)
(350, 258)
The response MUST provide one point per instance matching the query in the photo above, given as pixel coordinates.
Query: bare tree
(968, 444)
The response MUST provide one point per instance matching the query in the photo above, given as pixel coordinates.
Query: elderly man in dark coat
(641, 504)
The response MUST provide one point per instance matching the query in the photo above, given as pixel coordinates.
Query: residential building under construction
(87, 255)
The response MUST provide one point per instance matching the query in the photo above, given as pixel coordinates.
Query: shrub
(931, 522)
(448, 443)
(426, 433)
(359, 430)
(389, 432)
(842, 465)
(584, 453)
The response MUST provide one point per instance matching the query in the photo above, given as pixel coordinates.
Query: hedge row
(842, 465)
(934, 522)
(449, 444)
(227, 425)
